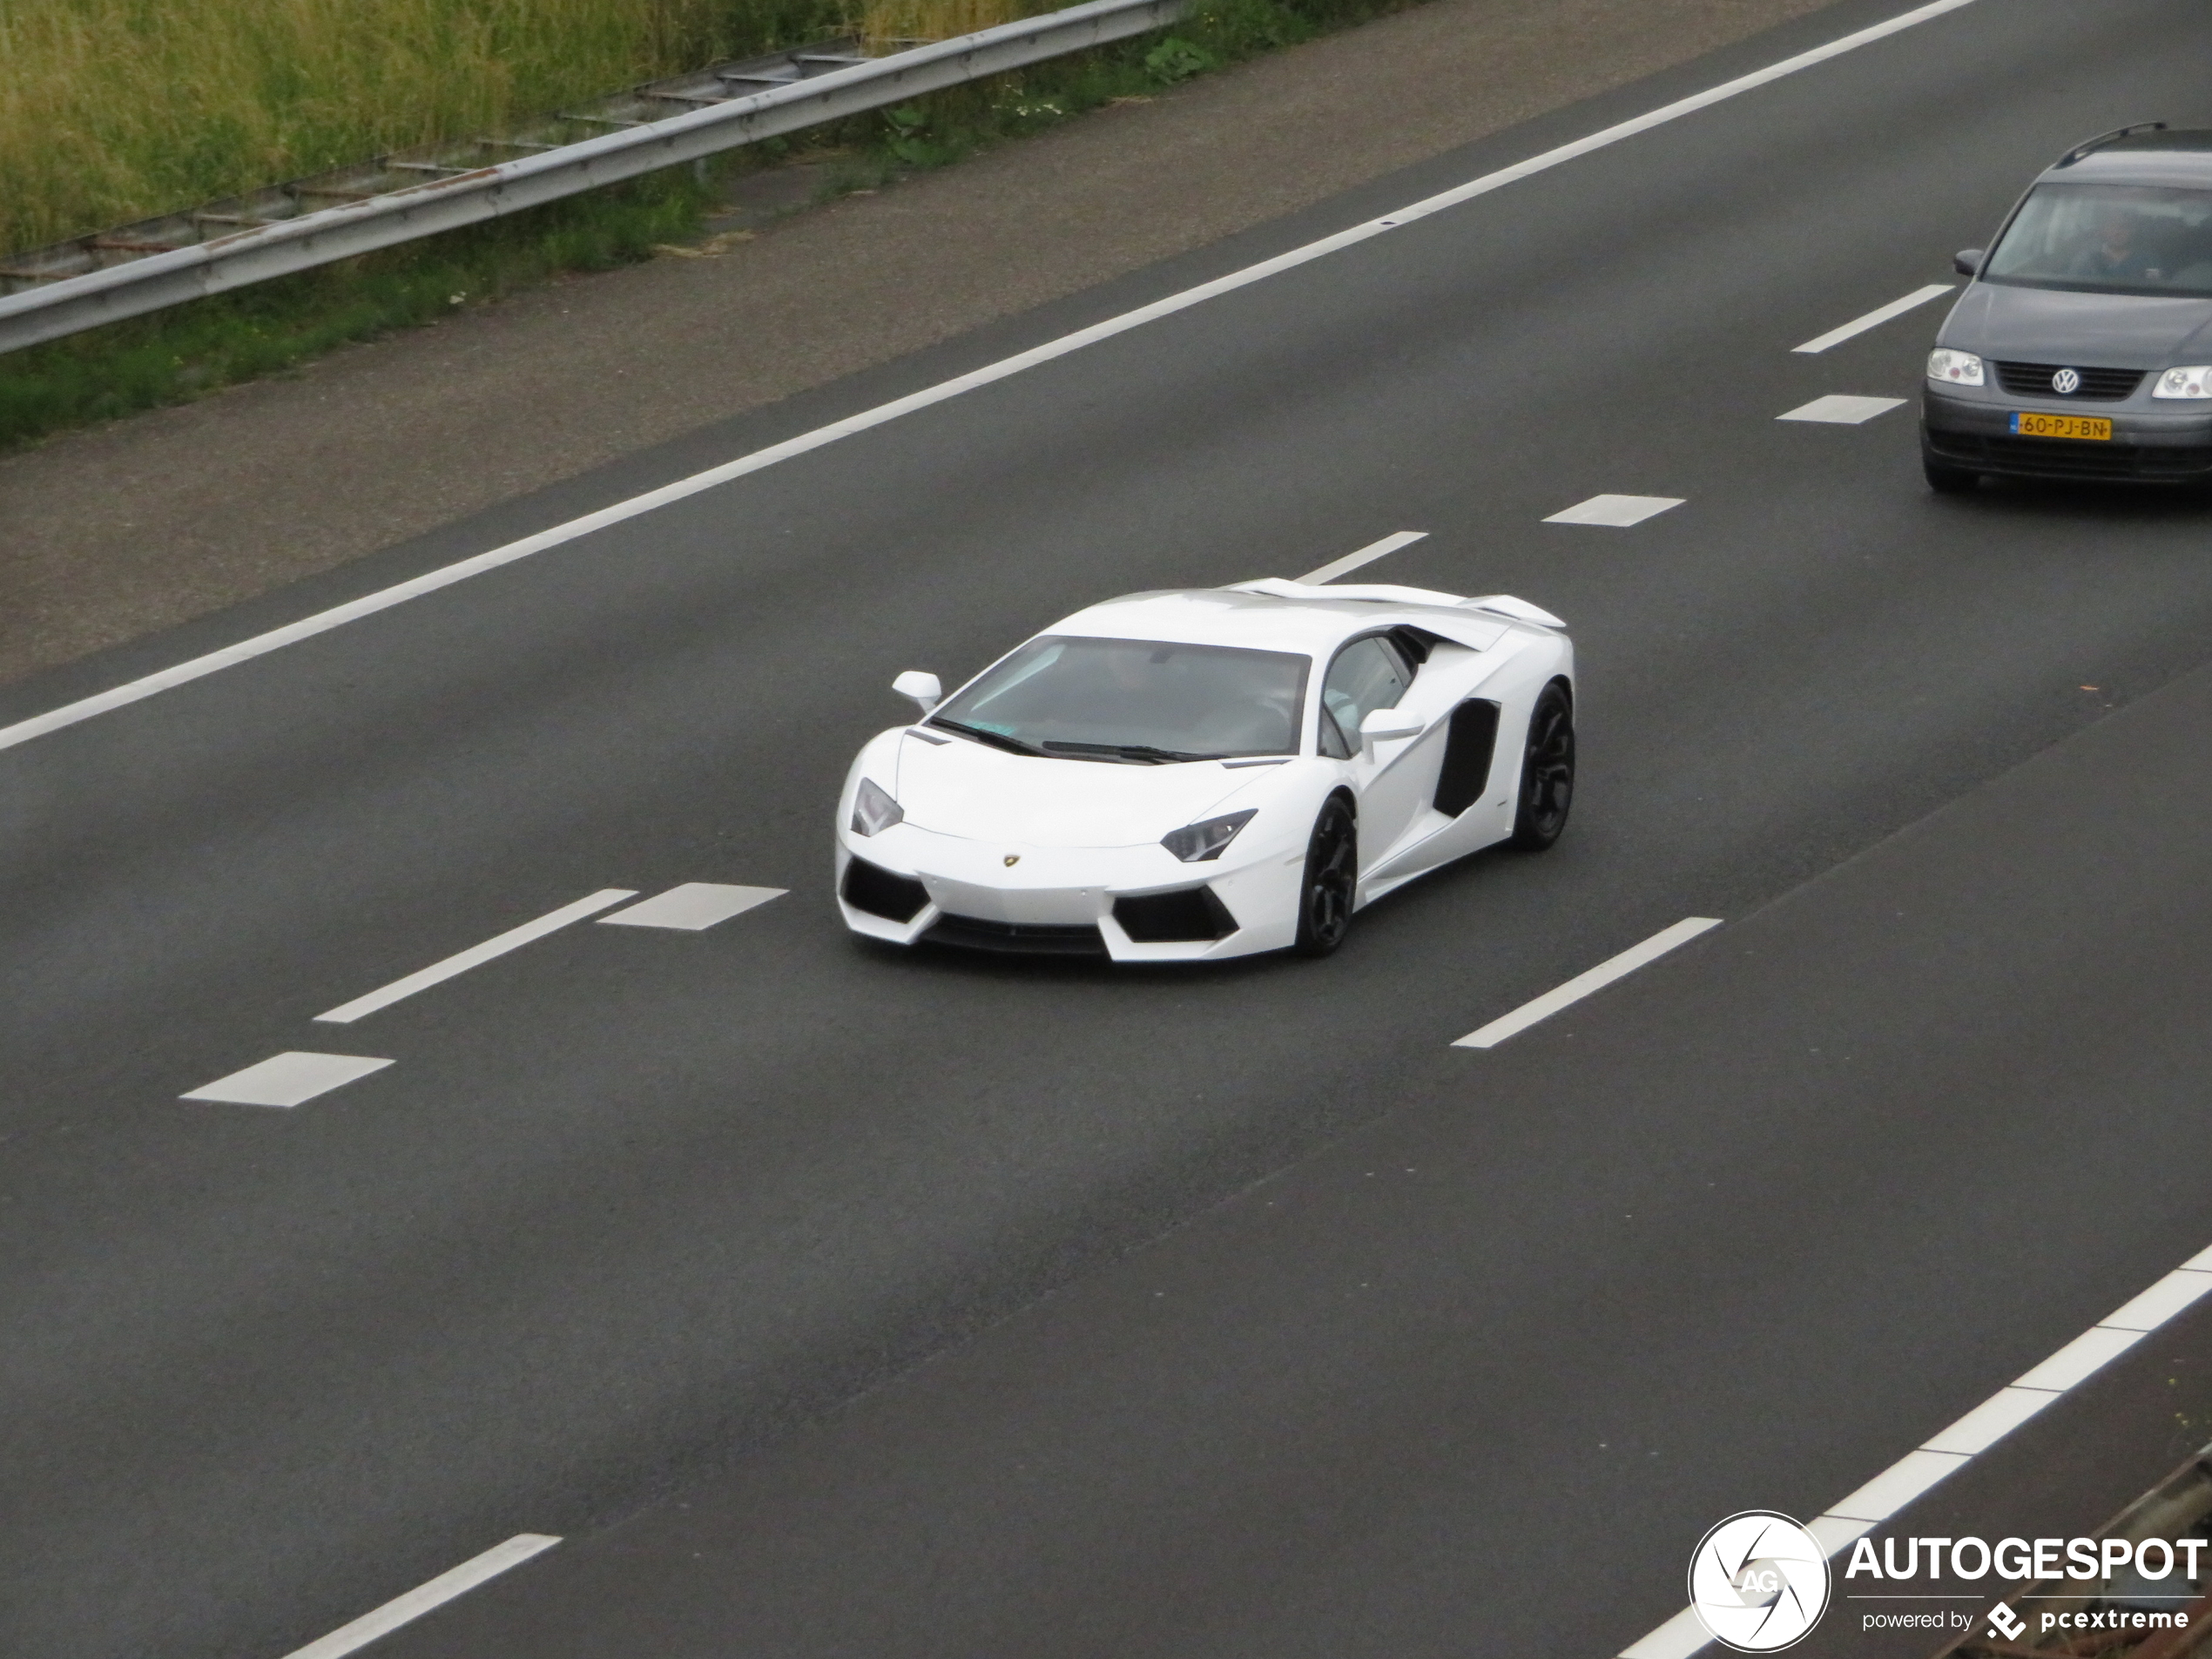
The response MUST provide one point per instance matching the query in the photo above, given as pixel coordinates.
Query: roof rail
(2091, 145)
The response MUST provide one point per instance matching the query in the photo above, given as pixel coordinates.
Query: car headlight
(1196, 843)
(2195, 381)
(1955, 368)
(873, 810)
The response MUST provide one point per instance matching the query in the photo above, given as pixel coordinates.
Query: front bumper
(1115, 902)
(1974, 433)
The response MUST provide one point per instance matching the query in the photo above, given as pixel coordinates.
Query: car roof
(1312, 621)
(2181, 159)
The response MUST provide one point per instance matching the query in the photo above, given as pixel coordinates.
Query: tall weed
(116, 110)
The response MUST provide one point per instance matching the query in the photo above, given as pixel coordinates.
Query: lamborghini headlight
(2193, 382)
(1196, 843)
(1955, 368)
(873, 810)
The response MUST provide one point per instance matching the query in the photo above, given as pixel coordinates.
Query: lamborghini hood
(968, 789)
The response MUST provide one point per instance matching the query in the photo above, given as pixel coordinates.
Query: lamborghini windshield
(2110, 238)
(1137, 701)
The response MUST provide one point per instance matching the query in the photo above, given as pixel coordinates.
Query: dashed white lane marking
(286, 1079)
(1615, 512)
(1366, 554)
(692, 907)
(1839, 410)
(1945, 1454)
(370, 604)
(405, 1609)
(1581, 985)
(1877, 317)
(475, 955)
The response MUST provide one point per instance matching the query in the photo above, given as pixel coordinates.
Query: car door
(1395, 783)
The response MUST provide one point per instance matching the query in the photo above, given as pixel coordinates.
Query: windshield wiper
(996, 740)
(1143, 753)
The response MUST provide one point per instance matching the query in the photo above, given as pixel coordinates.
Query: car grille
(1195, 913)
(2098, 385)
(2071, 458)
(874, 889)
(1024, 938)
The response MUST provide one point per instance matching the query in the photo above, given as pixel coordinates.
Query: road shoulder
(116, 533)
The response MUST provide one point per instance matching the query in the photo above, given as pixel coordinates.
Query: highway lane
(1477, 1378)
(630, 1203)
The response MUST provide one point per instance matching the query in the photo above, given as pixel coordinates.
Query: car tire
(1331, 881)
(1546, 771)
(1945, 479)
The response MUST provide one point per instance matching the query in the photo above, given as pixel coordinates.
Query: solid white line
(1366, 554)
(1943, 1454)
(2170, 1296)
(2081, 1359)
(1897, 1485)
(1876, 318)
(338, 617)
(475, 955)
(1581, 985)
(1834, 1534)
(1991, 1420)
(440, 1590)
(1678, 1638)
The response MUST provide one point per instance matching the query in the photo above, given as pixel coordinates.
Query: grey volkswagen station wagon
(2082, 348)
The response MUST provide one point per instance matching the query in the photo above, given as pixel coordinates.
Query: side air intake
(1467, 750)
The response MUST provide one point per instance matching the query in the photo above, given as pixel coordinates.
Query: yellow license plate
(2062, 425)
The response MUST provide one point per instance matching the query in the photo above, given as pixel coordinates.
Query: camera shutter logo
(1758, 1582)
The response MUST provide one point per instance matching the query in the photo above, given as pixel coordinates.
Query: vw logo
(2066, 381)
(1759, 1581)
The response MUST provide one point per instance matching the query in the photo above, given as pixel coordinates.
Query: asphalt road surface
(634, 1211)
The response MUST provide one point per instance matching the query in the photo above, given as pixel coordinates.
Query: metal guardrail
(136, 271)
(399, 169)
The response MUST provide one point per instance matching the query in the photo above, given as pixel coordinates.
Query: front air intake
(870, 887)
(1019, 938)
(1190, 916)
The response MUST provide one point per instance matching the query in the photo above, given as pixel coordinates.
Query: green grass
(171, 356)
(117, 109)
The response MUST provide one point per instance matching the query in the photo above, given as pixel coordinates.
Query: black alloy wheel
(1331, 876)
(1546, 771)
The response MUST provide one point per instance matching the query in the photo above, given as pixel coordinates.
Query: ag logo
(1758, 1582)
(2066, 381)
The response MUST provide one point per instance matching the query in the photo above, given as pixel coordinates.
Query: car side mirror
(1968, 262)
(1385, 725)
(923, 688)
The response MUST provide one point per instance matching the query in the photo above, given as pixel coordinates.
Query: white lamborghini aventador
(1190, 775)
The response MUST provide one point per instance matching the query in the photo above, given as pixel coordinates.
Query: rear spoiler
(1498, 604)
